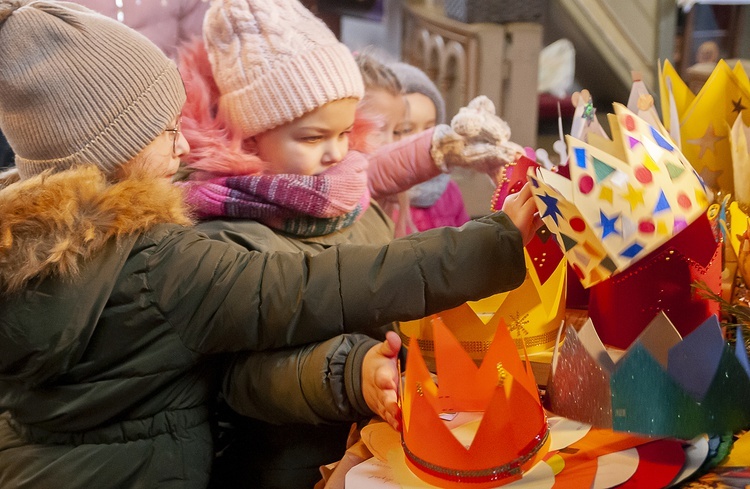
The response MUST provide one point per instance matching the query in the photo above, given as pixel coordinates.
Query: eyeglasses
(175, 131)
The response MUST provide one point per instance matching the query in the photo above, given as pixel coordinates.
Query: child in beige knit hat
(272, 120)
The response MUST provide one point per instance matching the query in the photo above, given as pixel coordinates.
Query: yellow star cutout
(634, 197)
(707, 141)
(605, 193)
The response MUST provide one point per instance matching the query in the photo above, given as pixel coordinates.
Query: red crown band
(509, 469)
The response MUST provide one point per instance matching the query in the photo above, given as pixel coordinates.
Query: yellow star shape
(634, 197)
(518, 322)
(708, 140)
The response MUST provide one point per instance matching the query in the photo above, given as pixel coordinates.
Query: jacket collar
(51, 223)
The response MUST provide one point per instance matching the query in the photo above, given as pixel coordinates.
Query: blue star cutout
(608, 224)
(552, 209)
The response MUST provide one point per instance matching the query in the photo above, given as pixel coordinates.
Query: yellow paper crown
(703, 121)
(512, 434)
(533, 311)
(625, 197)
(740, 154)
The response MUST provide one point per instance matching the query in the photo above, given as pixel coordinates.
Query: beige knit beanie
(79, 88)
(274, 61)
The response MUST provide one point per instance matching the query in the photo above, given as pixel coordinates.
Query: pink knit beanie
(273, 62)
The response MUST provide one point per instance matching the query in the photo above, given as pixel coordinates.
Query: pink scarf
(301, 205)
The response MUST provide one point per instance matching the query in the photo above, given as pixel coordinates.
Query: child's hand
(476, 138)
(521, 208)
(380, 379)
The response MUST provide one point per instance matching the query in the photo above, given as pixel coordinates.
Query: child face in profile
(387, 109)
(421, 114)
(310, 144)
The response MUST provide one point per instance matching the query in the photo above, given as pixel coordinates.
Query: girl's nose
(333, 154)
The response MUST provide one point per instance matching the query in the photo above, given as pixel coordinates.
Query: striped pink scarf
(300, 205)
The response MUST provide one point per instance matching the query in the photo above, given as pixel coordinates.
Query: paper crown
(533, 311)
(739, 138)
(624, 199)
(700, 124)
(663, 385)
(624, 305)
(512, 434)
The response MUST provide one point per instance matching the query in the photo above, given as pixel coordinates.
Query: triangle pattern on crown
(502, 389)
(622, 201)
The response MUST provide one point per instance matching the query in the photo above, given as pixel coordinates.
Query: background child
(438, 201)
(383, 102)
(271, 110)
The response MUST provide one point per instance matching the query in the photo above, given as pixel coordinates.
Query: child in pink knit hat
(271, 118)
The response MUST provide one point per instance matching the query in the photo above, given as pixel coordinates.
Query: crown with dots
(625, 197)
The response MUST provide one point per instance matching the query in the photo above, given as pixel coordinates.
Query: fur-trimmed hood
(52, 223)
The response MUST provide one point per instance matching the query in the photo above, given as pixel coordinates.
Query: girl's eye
(312, 139)
(345, 134)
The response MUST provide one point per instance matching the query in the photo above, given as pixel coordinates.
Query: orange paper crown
(512, 435)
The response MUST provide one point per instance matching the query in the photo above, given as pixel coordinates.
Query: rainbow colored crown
(502, 391)
(700, 124)
(625, 197)
(663, 385)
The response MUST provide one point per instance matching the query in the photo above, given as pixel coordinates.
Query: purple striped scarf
(301, 205)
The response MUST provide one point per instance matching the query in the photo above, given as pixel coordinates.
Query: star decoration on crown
(707, 141)
(518, 322)
(737, 105)
(625, 197)
(702, 121)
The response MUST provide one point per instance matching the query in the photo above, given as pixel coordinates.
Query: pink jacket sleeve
(398, 166)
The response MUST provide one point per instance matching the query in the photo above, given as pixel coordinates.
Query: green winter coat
(115, 316)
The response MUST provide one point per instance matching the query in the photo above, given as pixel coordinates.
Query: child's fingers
(392, 344)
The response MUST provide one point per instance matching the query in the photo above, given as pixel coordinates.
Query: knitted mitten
(476, 138)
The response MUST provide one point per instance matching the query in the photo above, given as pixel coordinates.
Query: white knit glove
(476, 139)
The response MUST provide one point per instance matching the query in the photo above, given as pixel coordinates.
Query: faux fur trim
(214, 146)
(51, 224)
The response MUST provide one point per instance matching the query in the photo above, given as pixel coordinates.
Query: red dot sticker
(684, 201)
(585, 184)
(577, 224)
(646, 227)
(629, 123)
(643, 175)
